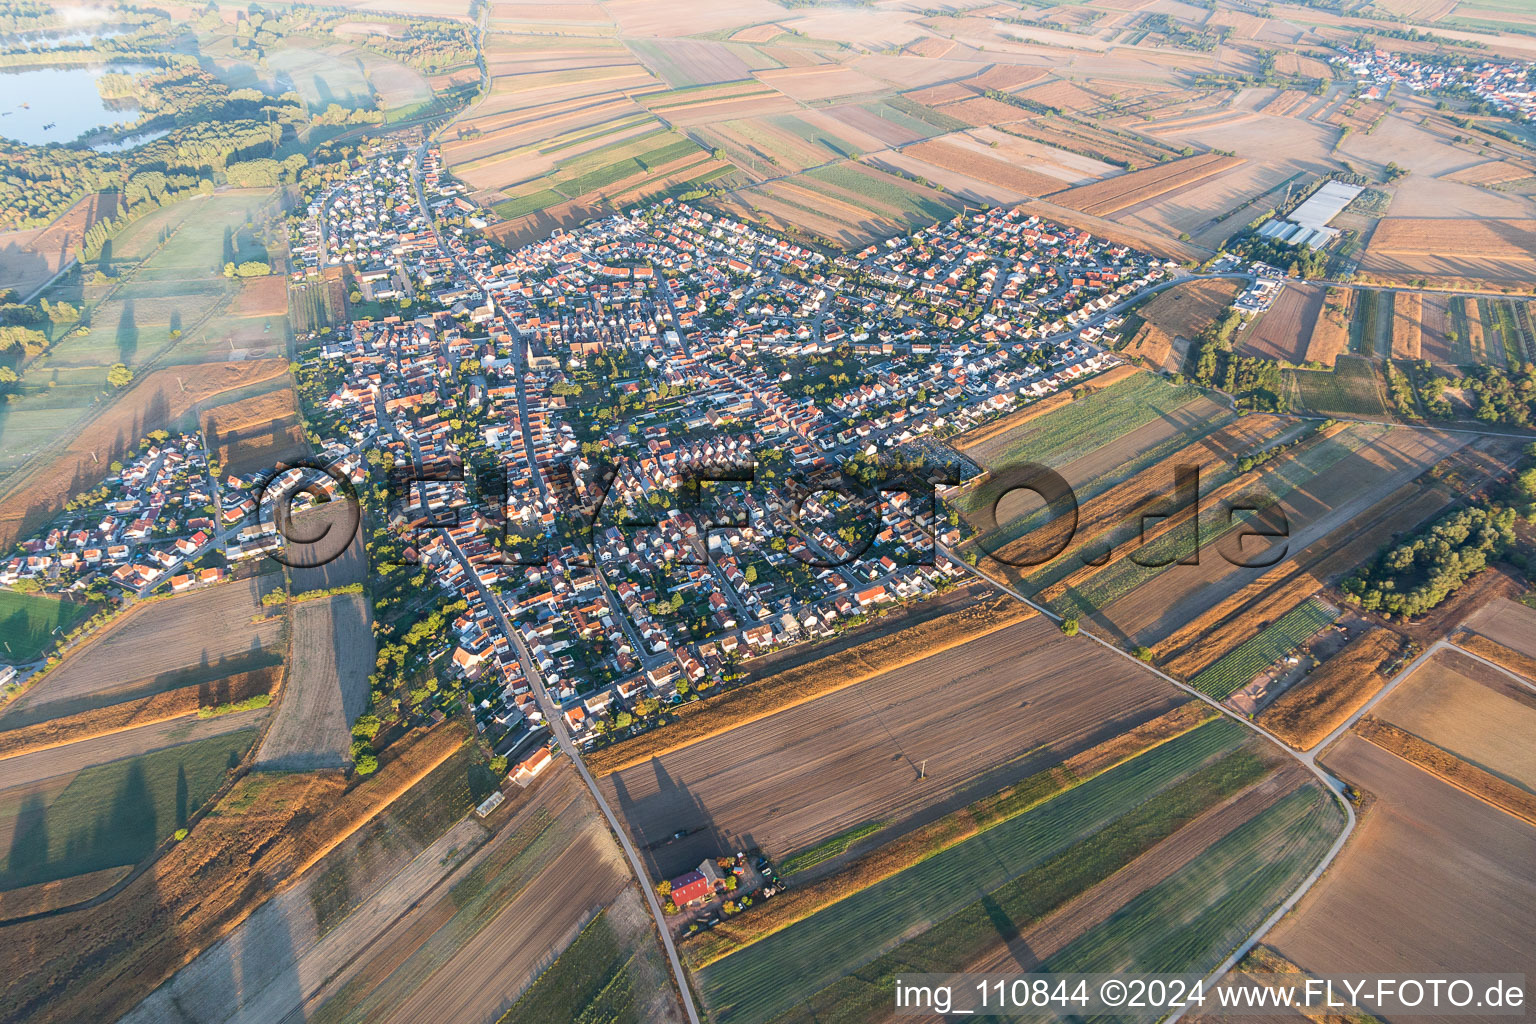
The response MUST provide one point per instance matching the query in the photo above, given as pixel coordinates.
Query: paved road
(562, 735)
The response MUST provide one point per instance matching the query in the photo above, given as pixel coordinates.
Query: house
(693, 887)
(529, 769)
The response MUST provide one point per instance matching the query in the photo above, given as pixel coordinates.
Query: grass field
(1263, 649)
(748, 985)
(115, 814)
(27, 621)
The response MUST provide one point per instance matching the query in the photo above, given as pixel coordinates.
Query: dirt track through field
(1001, 707)
(1433, 880)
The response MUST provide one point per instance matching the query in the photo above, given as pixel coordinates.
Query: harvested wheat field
(971, 713)
(1432, 880)
(37, 491)
(1407, 326)
(262, 296)
(1330, 332)
(1508, 623)
(1115, 194)
(1470, 710)
(1452, 249)
(1185, 310)
(158, 645)
(332, 649)
(1308, 712)
(255, 434)
(1285, 331)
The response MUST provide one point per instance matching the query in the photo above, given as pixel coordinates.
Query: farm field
(1284, 332)
(332, 648)
(1115, 194)
(1352, 388)
(1119, 493)
(742, 987)
(1312, 708)
(1321, 493)
(28, 621)
(255, 434)
(1460, 249)
(1469, 710)
(1330, 332)
(496, 918)
(1185, 310)
(177, 641)
(260, 837)
(1263, 649)
(1425, 853)
(731, 786)
(1035, 862)
(1095, 417)
(1508, 623)
(1192, 920)
(30, 257)
(114, 814)
(1114, 480)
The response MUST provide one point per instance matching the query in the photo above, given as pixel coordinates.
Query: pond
(43, 105)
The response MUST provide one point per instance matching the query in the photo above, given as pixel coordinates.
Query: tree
(1069, 626)
(119, 376)
(367, 764)
(751, 574)
(663, 888)
(499, 764)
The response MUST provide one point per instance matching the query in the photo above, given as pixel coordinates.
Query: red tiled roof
(689, 887)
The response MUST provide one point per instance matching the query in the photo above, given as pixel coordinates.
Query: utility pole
(922, 770)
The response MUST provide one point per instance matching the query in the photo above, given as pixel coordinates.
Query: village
(1503, 85)
(610, 376)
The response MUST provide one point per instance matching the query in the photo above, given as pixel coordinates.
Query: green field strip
(1189, 923)
(1099, 418)
(748, 986)
(964, 938)
(28, 621)
(915, 206)
(835, 846)
(115, 814)
(937, 119)
(1233, 671)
